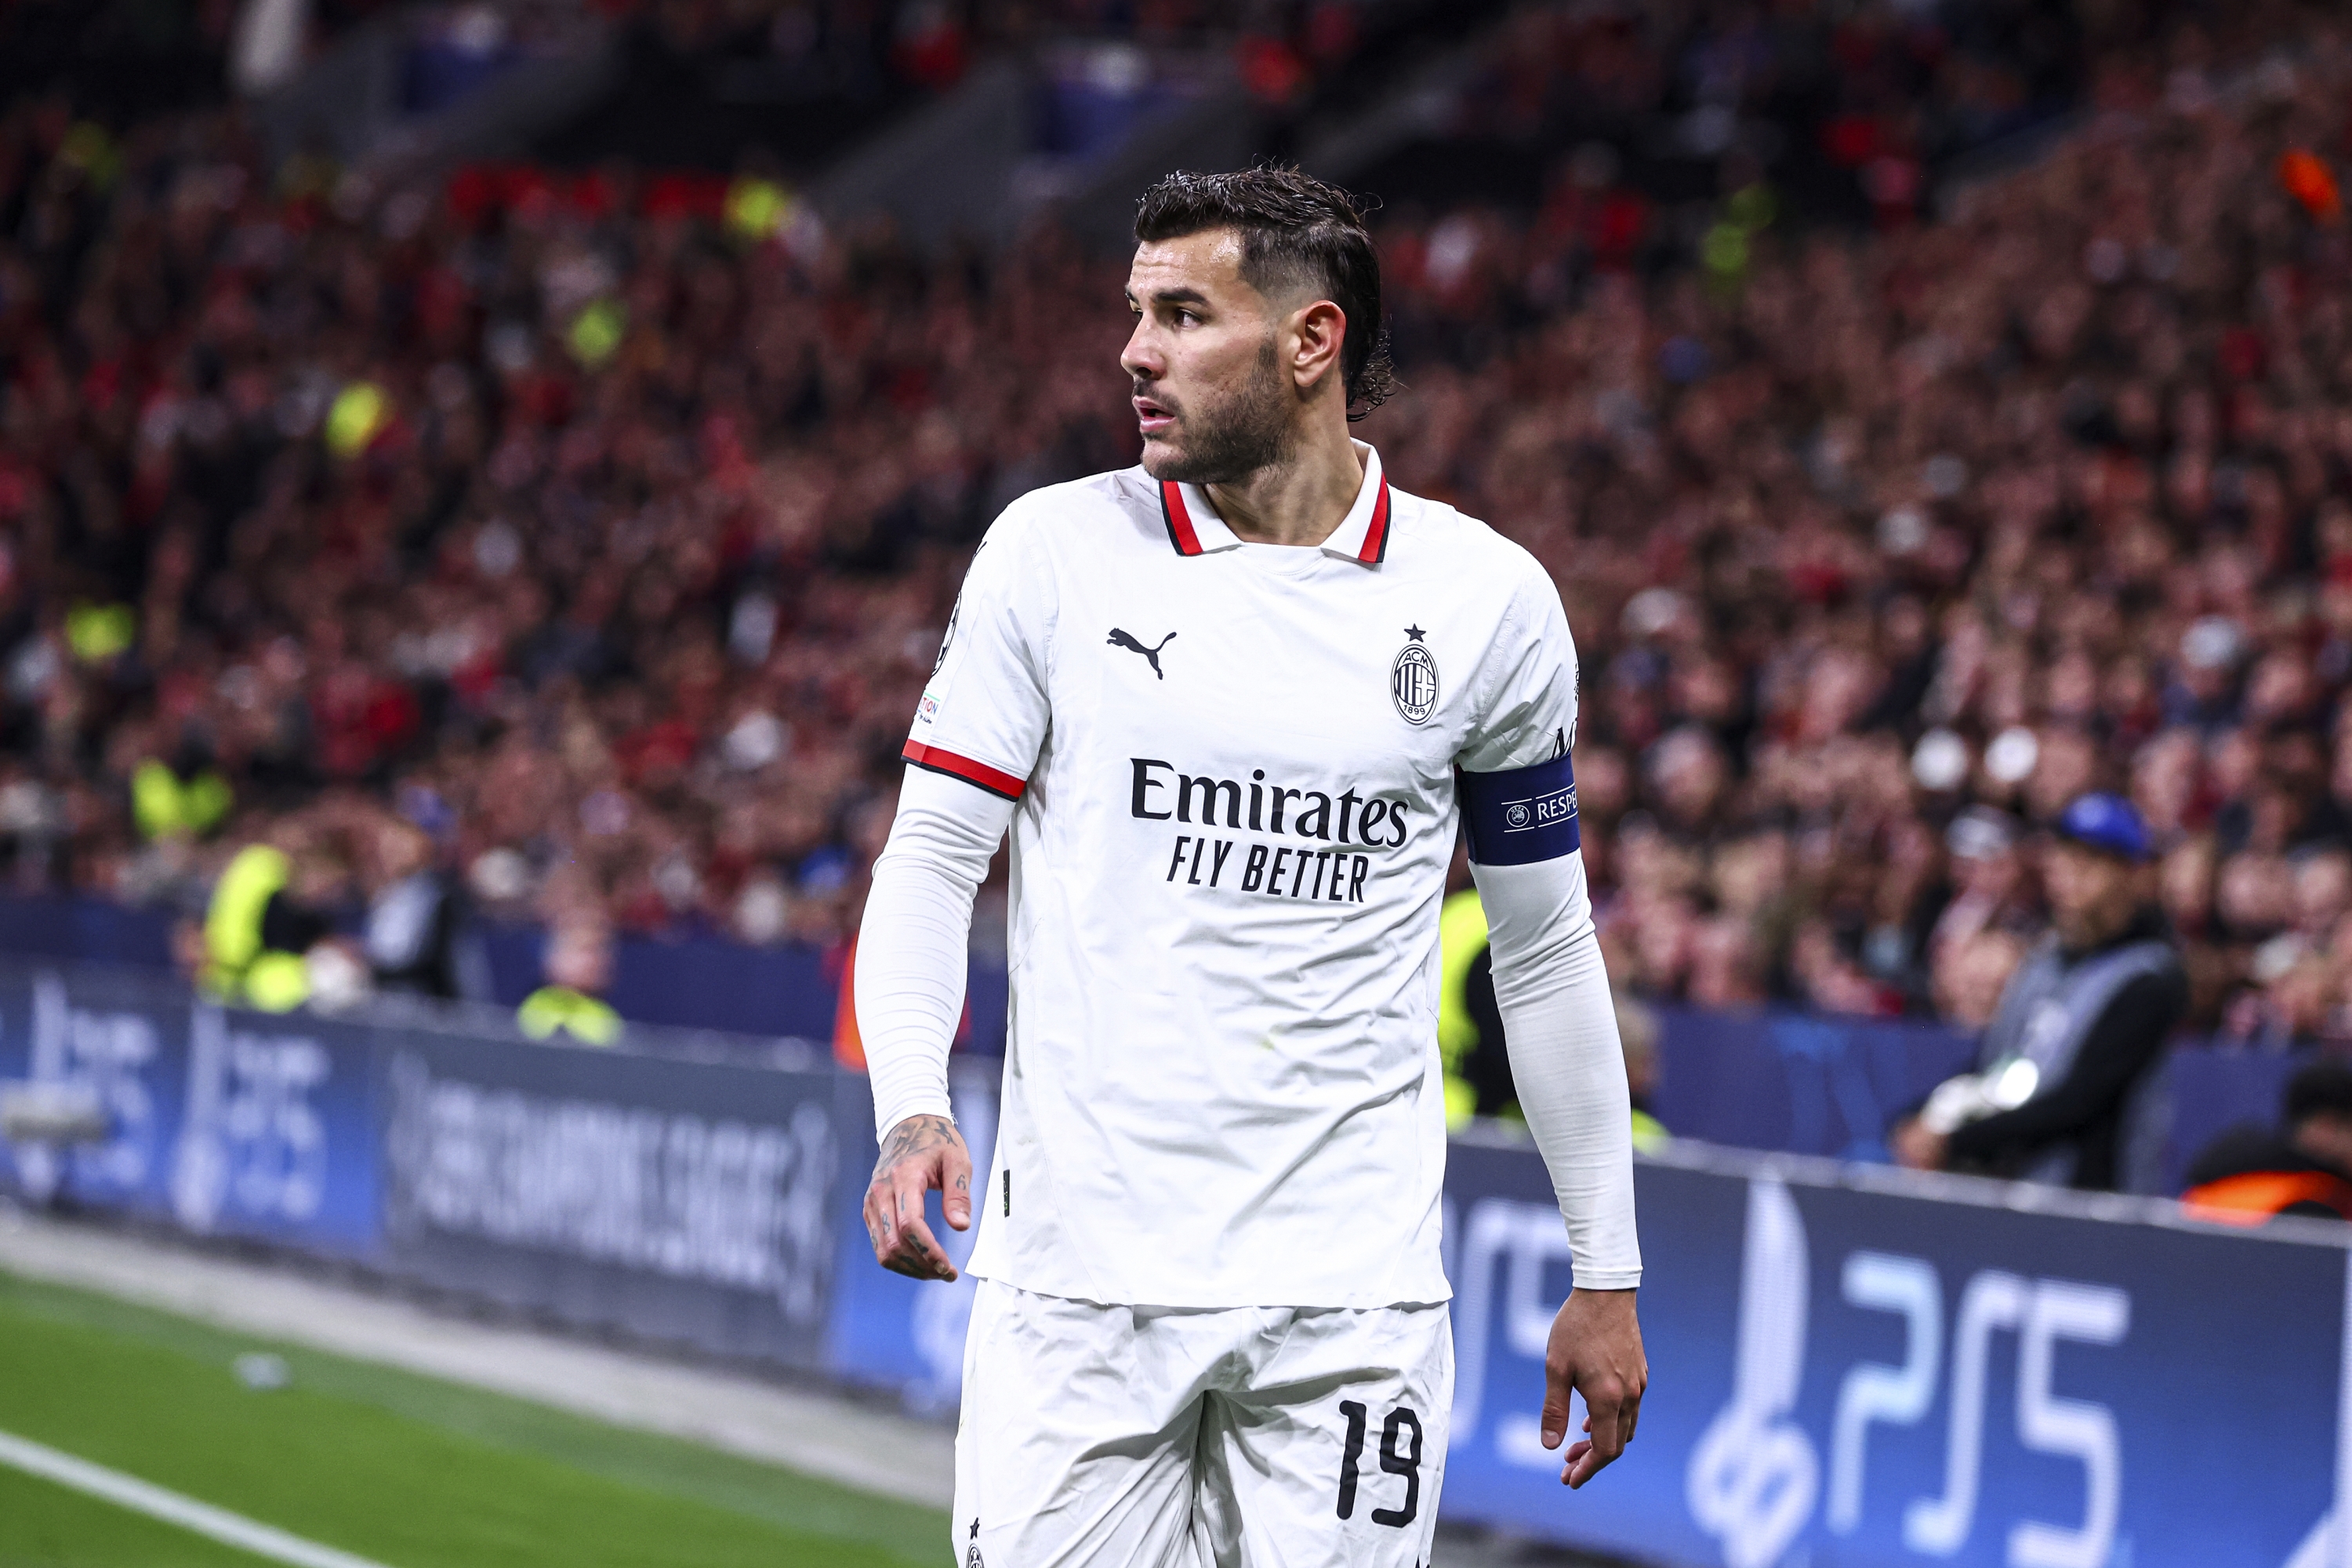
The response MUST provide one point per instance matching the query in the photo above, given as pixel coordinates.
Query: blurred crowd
(608, 542)
(1880, 554)
(606, 536)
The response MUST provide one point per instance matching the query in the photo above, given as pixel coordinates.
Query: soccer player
(1231, 705)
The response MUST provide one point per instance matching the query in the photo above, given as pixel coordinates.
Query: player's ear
(1318, 336)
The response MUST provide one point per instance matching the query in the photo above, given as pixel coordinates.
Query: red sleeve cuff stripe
(939, 762)
(1376, 535)
(1178, 519)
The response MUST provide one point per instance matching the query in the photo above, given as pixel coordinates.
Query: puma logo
(1120, 639)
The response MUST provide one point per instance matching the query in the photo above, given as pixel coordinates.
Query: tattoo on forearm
(915, 1135)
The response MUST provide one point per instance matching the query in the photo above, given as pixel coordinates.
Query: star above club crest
(1414, 632)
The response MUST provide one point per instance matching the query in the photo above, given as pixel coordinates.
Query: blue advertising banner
(688, 982)
(1772, 1078)
(684, 1200)
(67, 930)
(1854, 1366)
(681, 1200)
(1849, 1375)
(2211, 1091)
(220, 1122)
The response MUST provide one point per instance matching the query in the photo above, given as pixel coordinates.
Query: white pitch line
(131, 1492)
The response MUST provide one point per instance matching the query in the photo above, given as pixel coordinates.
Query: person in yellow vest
(1637, 1034)
(1461, 944)
(1470, 1037)
(184, 801)
(579, 969)
(258, 931)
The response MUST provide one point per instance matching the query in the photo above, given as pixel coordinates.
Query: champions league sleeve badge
(1413, 680)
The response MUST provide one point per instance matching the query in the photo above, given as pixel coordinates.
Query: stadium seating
(605, 522)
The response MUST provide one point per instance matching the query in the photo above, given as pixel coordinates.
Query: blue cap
(2106, 823)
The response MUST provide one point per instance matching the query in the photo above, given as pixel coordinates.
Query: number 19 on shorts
(1400, 1456)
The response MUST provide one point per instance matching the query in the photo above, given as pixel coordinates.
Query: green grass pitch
(412, 1472)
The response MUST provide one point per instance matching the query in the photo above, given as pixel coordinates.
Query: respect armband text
(1521, 815)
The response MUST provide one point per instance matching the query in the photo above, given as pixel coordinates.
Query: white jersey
(1235, 768)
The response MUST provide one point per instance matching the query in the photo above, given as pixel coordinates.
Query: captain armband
(1521, 815)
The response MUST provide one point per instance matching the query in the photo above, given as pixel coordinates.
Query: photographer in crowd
(2081, 1027)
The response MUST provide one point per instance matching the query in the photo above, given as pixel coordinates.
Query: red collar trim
(1376, 534)
(1178, 519)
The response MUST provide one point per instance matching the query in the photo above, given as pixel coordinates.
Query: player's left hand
(1596, 1351)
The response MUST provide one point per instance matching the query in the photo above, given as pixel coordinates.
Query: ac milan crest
(1413, 680)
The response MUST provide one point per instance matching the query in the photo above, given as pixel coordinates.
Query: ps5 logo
(254, 1143)
(99, 1060)
(1754, 1477)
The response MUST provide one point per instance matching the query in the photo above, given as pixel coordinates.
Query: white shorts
(1099, 1436)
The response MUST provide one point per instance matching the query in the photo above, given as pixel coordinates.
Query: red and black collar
(1178, 517)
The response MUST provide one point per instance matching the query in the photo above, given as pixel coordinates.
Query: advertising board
(1906, 1372)
(1854, 1366)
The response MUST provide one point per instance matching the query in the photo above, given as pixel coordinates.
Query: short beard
(1228, 440)
(2080, 930)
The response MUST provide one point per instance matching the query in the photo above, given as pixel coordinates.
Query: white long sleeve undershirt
(1561, 1026)
(911, 945)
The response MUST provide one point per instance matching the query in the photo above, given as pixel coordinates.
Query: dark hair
(1296, 233)
(2323, 1087)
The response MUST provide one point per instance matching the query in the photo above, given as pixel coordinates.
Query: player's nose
(1141, 358)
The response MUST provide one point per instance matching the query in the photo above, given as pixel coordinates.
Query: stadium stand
(604, 523)
(523, 565)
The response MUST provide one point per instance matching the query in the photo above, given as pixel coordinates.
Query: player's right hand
(923, 1152)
